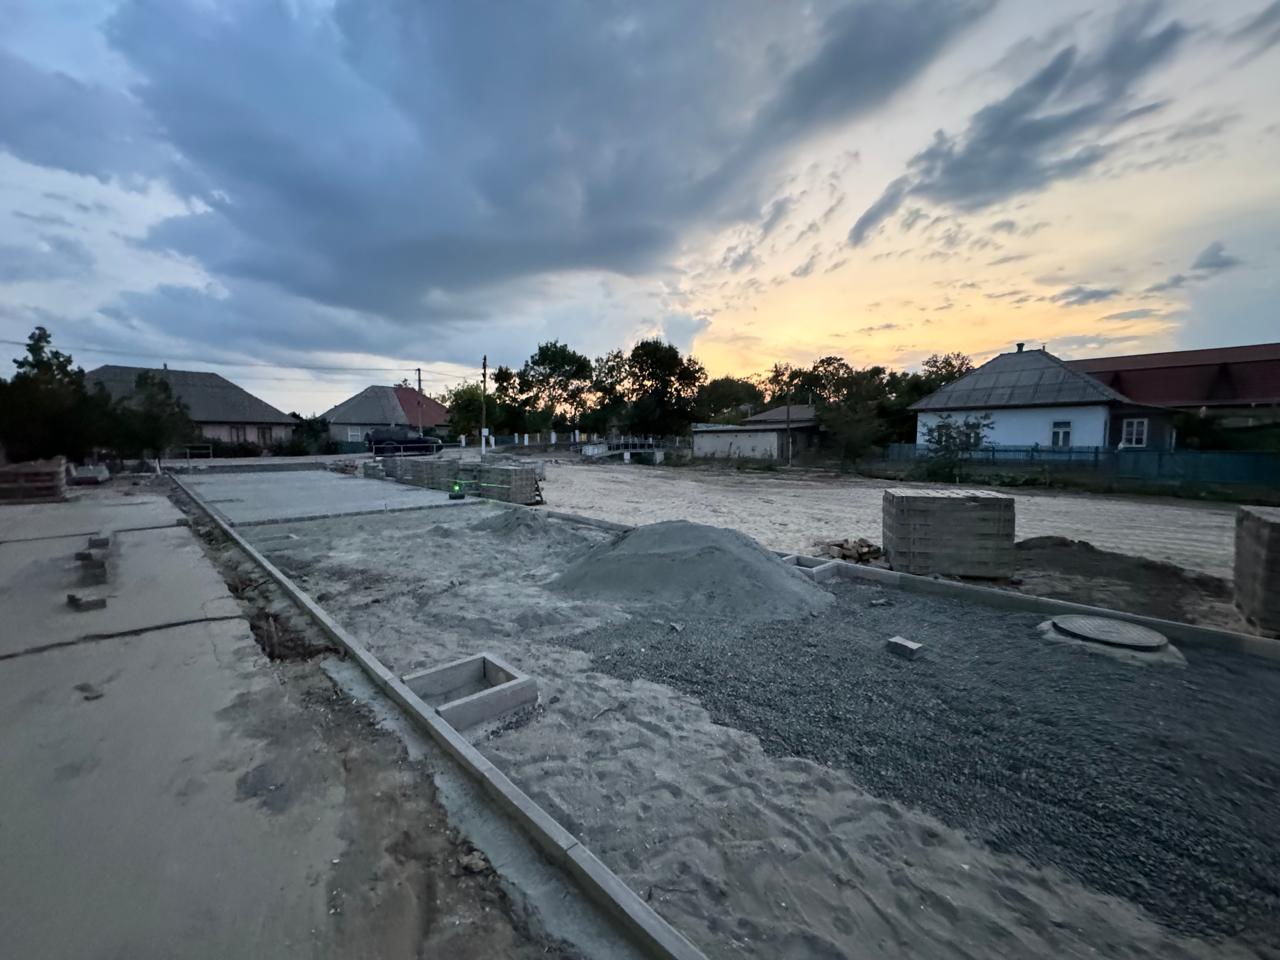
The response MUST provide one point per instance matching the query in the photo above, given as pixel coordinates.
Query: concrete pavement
(169, 792)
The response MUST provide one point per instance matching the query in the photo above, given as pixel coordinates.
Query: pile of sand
(704, 571)
(529, 527)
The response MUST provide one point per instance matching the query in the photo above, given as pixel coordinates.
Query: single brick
(907, 649)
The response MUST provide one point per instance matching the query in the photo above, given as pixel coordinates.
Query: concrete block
(960, 533)
(85, 603)
(1257, 566)
(902, 647)
(502, 689)
(100, 543)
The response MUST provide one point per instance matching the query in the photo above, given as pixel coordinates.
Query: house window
(237, 433)
(1133, 432)
(1061, 433)
(264, 436)
(354, 435)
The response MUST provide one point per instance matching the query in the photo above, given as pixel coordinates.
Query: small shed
(761, 437)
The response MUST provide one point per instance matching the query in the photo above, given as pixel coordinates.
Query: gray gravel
(1156, 784)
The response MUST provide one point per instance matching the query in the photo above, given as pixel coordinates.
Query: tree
(151, 419)
(47, 409)
(556, 379)
(725, 397)
(463, 402)
(310, 435)
(947, 441)
(662, 387)
(943, 368)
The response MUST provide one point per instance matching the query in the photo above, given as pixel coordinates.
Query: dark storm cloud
(53, 120)
(1260, 32)
(368, 159)
(1046, 129)
(1214, 259)
(1080, 296)
(53, 258)
(1210, 262)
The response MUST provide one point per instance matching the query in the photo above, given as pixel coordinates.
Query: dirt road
(789, 511)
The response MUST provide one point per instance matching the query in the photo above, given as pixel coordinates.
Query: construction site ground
(170, 790)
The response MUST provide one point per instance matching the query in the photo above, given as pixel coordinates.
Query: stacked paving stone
(512, 483)
(372, 470)
(951, 533)
(36, 481)
(1257, 571)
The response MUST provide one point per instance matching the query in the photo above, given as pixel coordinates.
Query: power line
(248, 363)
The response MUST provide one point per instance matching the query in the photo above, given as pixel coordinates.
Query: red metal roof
(1221, 376)
(420, 410)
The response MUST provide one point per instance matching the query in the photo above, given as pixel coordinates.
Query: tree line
(48, 407)
(654, 390)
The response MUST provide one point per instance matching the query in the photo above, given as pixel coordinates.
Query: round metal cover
(1119, 633)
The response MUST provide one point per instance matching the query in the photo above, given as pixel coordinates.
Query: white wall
(1028, 426)
(759, 444)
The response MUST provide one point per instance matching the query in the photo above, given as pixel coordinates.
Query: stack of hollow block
(950, 533)
(372, 470)
(36, 481)
(1257, 569)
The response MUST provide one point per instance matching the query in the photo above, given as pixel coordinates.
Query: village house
(220, 410)
(1036, 400)
(761, 437)
(380, 407)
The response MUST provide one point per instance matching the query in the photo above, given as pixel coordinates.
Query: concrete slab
(246, 498)
(90, 511)
(154, 577)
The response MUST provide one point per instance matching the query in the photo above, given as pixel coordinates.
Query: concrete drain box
(953, 533)
(473, 690)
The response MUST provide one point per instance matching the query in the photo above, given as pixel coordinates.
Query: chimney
(1020, 346)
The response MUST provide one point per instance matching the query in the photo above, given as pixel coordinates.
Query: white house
(1035, 399)
(762, 437)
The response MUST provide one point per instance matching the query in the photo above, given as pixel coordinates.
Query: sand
(790, 511)
(749, 855)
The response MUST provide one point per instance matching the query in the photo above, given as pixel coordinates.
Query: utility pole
(419, 371)
(484, 390)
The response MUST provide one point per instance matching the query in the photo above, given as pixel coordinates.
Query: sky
(310, 196)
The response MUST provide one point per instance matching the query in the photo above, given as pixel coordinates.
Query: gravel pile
(697, 569)
(1156, 784)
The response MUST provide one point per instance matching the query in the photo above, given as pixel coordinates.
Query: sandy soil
(750, 855)
(790, 511)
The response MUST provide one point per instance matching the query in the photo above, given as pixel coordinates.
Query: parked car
(391, 440)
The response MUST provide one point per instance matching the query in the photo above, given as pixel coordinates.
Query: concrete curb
(451, 505)
(1187, 634)
(648, 930)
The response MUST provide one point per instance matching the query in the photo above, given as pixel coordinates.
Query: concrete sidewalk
(169, 792)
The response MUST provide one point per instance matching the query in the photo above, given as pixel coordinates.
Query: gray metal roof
(799, 411)
(372, 405)
(1028, 378)
(210, 397)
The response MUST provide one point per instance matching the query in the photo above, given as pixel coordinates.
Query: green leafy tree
(662, 387)
(47, 409)
(948, 441)
(464, 403)
(556, 379)
(151, 419)
(310, 436)
(724, 398)
(607, 397)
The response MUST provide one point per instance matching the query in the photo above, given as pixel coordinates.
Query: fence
(1252, 468)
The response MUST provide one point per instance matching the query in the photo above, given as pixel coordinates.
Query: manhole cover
(1118, 633)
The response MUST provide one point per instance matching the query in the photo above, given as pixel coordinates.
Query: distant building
(1035, 399)
(219, 408)
(1240, 385)
(761, 437)
(375, 407)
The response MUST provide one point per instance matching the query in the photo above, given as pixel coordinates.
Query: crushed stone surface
(1156, 783)
(674, 563)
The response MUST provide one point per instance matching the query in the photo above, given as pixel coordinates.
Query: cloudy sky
(313, 195)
